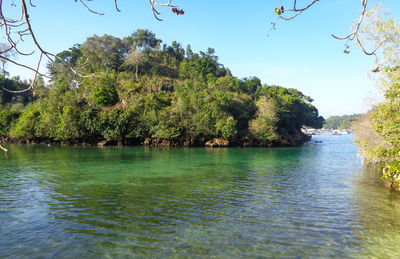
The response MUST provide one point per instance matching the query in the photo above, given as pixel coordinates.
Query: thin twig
(116, 6)
(154, 10)
(89, 9)
(16, 30)
(350, 37)
(33, 81)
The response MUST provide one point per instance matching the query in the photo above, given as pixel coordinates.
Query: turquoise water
(89, 202)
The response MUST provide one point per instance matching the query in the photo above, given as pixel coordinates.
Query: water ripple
(314, 201)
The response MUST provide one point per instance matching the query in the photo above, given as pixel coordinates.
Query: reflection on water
(313, 201)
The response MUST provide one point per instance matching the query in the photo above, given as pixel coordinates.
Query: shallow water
(87, 202)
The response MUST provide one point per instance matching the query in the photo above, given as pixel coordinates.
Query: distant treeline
(341, 122)
(142, 90)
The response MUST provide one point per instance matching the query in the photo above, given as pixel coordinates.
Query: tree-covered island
(137, 90)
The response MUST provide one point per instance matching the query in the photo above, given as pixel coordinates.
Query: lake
(90, 202)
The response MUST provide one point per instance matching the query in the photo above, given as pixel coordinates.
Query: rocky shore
(284, 140)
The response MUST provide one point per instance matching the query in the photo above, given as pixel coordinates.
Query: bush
(264, 126)
(68, 126)
(7, 119)
(226, 127)
(26, 123)
(105, 92)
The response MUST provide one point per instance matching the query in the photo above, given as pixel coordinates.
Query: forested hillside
(340, 122)
(138, 90)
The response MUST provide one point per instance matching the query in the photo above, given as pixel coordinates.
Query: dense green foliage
(340, 122)
(12, 105)
(142, 89)
(8, 99)
(378, 132)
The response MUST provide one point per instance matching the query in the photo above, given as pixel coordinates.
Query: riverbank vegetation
(340, 122)
(142, 91)
(378, 132)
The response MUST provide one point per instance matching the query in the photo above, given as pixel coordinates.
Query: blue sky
(299, 54)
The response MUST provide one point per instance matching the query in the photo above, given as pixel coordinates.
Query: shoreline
(286, 140)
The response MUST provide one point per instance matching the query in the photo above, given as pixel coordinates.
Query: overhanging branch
(16, 30)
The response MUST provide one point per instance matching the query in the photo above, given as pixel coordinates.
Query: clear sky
(299, 54)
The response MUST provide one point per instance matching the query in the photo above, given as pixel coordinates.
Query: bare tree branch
(293, 13)
(24, 66)
(18, 29)
(354, 34)
(116, 6)
(33, 81)
(89, 9)
(155, 12)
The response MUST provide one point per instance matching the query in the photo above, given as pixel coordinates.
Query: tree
(379, 131)
(176, 51)
(189, 52)
(251, 85)
(104, 91)
(293, 108)
(8, 55)
(264, 126)
(17, 28)
(143, 40)
(68, 59)
(205, 102)
(135, 58)
(341, 122)
(20, 28)
(103, 53)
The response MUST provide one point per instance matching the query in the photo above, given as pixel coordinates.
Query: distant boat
(336, 133)
(311, 131)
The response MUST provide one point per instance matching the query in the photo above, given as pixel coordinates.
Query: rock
(217, 142)
(189, 141)
(147, 141)
(106, 142)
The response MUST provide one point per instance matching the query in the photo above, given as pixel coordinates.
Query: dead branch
(289, 14)
(294, 13)
(354, 34)
(16, 30)
(89, 9)
(154, 10)
(116, 6)
(33, 81)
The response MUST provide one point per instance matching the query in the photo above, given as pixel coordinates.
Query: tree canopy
(341, 122)
(379, 130)
(143, 90)
(19, 28)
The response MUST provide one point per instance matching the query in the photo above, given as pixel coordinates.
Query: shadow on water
(313, 201)
(378, 211)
